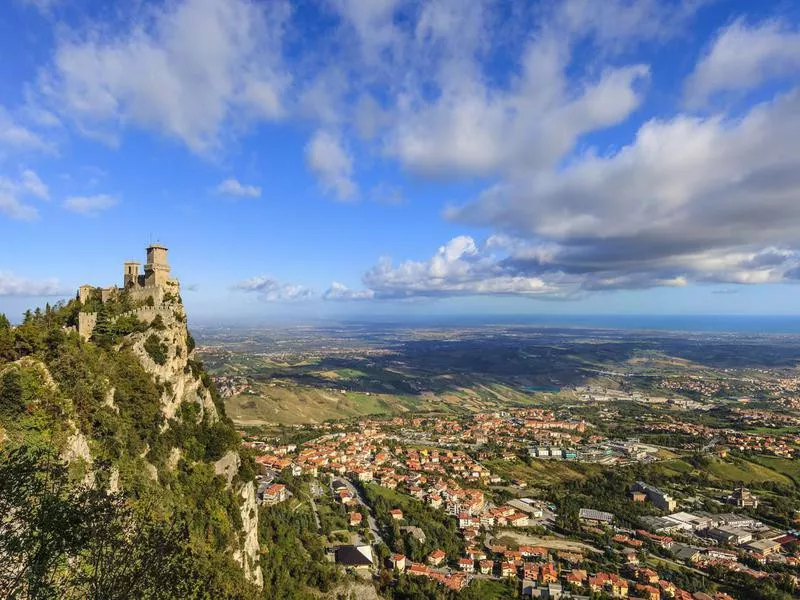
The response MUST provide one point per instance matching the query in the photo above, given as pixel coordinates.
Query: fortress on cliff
(154, 290)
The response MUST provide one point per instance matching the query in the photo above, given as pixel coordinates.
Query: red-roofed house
(418, 569)
(275, 493)
(577, 577)
(548, 573)
(398, 562)
(466, 564)
(647, 591)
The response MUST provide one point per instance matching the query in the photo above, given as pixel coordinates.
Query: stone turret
(131, 275)
(84, 293)
(156, 269)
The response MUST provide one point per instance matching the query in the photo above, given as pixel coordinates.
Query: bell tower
(131, 274)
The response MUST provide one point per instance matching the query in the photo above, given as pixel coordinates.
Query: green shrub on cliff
(156, 349)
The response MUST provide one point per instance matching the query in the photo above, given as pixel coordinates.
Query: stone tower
(156, 269)
(131, 274)
(85, 292)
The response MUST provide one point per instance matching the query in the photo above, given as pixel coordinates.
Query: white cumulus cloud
(269, 289)
(16, 137)
(90, 205)
(14, 192)
(459, 268)
(689, 200)
(339, 291)
(332, 164)
(188, 69)
(743, 56)
(232, 187)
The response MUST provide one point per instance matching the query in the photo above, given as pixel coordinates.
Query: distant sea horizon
(787, 324)
(750, 324)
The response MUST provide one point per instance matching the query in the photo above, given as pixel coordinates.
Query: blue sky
(328, 158)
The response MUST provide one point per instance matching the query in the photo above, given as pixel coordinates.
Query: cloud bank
(518, 102)
(13, 285)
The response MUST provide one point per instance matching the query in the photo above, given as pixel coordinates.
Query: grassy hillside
(735, 469)
(746, 471)
(265, 404)
(303, 389)
(541, 472)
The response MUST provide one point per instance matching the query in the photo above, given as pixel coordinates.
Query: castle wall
(147, 314)
(109, 293)
(86, 324)
(139, 294)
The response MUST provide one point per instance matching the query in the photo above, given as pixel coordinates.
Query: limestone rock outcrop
(247, 556)
(180, 381)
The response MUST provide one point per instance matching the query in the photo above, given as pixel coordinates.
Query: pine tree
(102, 333)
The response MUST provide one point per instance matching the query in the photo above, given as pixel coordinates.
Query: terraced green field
(735, 469)
(785, 466)
(675, 467)
(541, 472)
(300, 404)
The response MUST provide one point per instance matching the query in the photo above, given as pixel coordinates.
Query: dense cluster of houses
(229, 386)
(778, 444)
(693, 384)
(514, 430)
(764, 418)
(547, 573)
(448, 479)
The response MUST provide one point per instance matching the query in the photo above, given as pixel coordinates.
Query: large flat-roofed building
(658, 498)
(690, 522)
(730, 535)
(764, 547)
(590, 516)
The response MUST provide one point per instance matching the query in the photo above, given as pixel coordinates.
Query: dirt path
(496, 394)
(546, 541)
(245, 422)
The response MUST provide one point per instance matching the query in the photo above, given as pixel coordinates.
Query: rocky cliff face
(247, 555)
(182, 384)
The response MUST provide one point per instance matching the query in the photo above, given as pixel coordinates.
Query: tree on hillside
(7, 350)
(102, 333)
(65, 540)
